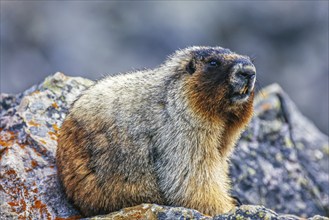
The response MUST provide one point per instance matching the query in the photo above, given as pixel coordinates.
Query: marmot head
(216, 79)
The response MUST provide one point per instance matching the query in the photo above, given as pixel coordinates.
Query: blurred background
(92, 38)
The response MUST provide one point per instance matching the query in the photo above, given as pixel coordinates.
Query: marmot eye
(213, 63)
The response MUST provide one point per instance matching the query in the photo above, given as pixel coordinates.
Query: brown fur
(82, 183)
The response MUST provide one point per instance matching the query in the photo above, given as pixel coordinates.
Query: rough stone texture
(29, 124)
(153, 211)
(281, 161)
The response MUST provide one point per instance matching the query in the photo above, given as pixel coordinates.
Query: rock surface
(281, 161)
(153, 211)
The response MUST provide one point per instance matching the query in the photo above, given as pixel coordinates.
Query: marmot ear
(190, 68)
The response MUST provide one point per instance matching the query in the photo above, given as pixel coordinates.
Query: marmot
(158, 136)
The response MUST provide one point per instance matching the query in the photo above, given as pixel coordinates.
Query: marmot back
(158, 136)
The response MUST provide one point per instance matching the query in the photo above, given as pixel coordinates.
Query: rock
(281, 161)
(29, 124)
(153, 211)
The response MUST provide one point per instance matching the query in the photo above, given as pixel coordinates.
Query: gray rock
(281, 161)
(29, 185)
(153, 211)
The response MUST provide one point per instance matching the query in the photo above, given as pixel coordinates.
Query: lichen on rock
(29, 125)
(281, 160)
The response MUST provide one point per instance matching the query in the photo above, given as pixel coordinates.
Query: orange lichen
(21, 145)
(11, 172)
(35, 151)
(54, 105)
(23, 204)
(34, 163)
(32, 123)
(55, 127)
(28, 169)
(23, 195)
(36, 92)
(43, 141)
(43, 150)
(13, 203)
(7, 138)
(38, 204)
(42, 209)
(19, 204)
(53, 135)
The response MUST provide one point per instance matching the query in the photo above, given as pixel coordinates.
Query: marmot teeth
(244, 90)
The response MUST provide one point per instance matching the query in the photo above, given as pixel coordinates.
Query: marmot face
(218, 80)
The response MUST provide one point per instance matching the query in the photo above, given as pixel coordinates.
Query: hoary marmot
(161, 136)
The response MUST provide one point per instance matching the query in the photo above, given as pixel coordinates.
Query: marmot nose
(247, 73)
(244, 71)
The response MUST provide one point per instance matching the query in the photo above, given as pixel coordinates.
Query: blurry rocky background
(92, 38)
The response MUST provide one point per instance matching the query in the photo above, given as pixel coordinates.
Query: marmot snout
(158, 136)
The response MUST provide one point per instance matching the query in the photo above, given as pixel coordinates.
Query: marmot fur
(158, 136)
